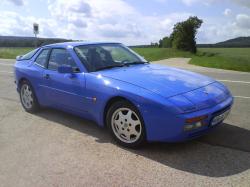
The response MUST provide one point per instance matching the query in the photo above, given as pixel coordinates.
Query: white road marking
(6, 72)
(220, 71)
(242, 97)
(6, 64)
(243, 82)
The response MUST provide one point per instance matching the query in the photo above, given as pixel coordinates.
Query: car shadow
(223, 152)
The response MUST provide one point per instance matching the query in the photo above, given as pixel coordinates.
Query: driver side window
(60, 57)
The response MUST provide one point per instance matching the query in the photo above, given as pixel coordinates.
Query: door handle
(71, 76)
(46, 76)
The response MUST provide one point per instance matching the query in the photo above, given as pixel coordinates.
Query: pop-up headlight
(182, 103)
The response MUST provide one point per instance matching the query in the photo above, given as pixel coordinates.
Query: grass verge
(12, 52)
(237, 59)
(154, 54)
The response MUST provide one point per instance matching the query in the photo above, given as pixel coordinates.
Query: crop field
(12, 52)
(153, 54)
(223, 58)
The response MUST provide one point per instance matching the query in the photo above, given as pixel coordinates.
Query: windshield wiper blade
(122, 65)
(136, 62)
(109, 67)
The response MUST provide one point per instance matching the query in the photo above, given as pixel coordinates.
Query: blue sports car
(115, 87)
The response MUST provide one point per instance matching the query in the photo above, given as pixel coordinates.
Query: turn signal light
(196, 119)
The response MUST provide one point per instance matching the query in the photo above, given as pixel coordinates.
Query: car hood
(163, 80)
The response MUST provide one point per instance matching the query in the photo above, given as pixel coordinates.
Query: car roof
(74, 44)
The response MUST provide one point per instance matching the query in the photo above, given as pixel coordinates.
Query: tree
(160, 43)
(183, 36)
(166, 42)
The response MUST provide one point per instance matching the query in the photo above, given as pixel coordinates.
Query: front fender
(148, 103)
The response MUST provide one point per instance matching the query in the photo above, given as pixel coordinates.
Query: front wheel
(126, 125)
(28, 98)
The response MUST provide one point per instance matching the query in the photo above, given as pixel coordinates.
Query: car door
(38, 71)
(64, 89)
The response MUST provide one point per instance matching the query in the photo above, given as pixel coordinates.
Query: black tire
(125, 104)
(34, 105)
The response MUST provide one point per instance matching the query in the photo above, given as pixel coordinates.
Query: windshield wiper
(122, 65)
(136, 62)
(109, 67)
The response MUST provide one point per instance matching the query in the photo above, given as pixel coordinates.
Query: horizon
(129, 22)
(114, 42)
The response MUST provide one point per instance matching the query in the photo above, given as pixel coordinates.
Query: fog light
(198, 124)
(189, 127)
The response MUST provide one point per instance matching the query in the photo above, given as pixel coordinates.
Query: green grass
(223, 58)
(12, 52)
(153, 54)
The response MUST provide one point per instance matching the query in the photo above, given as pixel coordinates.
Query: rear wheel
(28, 98)
(126, 125)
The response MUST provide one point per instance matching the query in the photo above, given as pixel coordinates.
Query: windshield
(103, 56)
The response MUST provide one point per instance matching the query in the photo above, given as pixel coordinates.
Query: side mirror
(65, 69)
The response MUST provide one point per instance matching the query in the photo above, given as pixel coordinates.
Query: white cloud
(191, 2)
(227, 12)
(245, 3)
(116, 20)
(15, 2)
(110, 21)
(216, 30)
(11, 24)
(243, 21)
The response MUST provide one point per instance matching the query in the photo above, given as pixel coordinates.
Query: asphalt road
(52, 148)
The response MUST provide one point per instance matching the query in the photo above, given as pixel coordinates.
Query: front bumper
(172, 130)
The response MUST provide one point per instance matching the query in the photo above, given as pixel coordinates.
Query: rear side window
(29, 55)
(42, 58)
(59, 57)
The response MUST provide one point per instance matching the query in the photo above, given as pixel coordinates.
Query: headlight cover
(182, 103)
(222, 87)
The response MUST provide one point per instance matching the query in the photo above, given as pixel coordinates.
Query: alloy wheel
(126, 125)
(27, 96)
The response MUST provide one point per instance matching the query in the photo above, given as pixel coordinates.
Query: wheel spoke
(127, 135)
(121, 115)
(129, 114)
(134, 131)
(117, 124)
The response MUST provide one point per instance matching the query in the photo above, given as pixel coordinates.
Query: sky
(131, 22)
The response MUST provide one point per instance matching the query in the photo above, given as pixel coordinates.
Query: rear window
(41, 60)
(29, 55)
